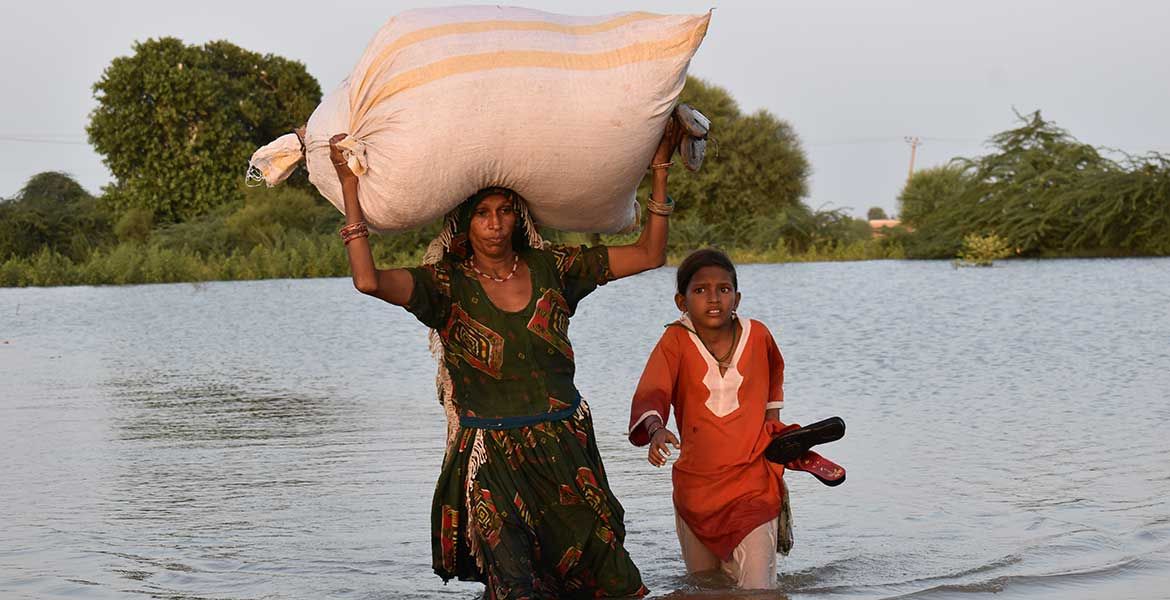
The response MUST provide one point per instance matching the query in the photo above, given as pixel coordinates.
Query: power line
(954, 140)
(853, 141)
(889, 140)
(24, 139)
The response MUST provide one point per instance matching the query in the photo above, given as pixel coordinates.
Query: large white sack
(566, 111)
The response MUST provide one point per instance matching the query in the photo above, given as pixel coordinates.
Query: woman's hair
(706, 257)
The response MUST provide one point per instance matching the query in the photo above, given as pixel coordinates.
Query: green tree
(52, 187)
(175, 122)
(755, 170)
(52, 211)
(928, 190)
(1044, 193)
(876, 213)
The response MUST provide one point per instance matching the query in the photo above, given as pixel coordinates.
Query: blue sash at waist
(521, 421)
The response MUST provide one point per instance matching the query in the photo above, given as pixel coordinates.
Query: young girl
(724, 376)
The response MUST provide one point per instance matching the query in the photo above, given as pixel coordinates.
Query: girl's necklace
(724, 361)
(515, 263)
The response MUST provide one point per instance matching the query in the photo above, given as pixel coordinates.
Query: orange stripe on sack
(415, 37)
(506, 59)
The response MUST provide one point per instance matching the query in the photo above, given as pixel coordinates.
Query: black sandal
(693, 122)
(695, 126)
(792, 444)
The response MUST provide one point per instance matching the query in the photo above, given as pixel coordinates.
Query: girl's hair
(707, 257)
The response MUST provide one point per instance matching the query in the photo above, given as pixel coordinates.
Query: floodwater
(280, 439)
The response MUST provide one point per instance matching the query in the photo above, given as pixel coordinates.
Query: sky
(853, 77)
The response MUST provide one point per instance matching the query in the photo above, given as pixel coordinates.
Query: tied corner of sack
(274, 162)
(354, 151)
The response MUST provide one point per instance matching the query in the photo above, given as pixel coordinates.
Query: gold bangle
(660, 208)
(665, 165)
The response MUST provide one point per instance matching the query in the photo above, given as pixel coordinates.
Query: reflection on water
(158, 406)
(281, 439)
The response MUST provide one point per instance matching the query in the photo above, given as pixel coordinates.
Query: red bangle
(351, 228)
(353, 231)
(353, 236)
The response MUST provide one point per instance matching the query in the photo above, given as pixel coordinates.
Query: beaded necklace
(515, 263)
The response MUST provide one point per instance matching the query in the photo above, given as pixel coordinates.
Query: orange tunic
(723, 486)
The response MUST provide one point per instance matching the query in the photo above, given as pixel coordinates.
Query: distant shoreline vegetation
(56, 234)
(1039, 192)
(178, 211)
(302, 257)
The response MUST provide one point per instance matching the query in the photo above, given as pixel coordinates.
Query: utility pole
(914, 142)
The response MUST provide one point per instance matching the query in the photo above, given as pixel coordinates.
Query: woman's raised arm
(649, 252)
(392, 285)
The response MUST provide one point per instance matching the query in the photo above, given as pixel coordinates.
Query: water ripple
(281, 439)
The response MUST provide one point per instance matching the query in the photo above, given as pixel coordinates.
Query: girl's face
(710, 298)
(492, 223)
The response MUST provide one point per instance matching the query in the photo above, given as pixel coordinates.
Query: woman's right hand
(658, 446)
(337, 156)
(671, 137)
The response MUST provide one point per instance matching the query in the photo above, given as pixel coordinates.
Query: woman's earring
(734, 316)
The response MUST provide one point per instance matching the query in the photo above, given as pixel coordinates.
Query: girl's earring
(734, 316)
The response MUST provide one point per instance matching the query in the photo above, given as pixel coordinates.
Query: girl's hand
(658, 446)
(338, 158)
(671, 137)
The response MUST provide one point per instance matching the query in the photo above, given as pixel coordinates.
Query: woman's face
(710, 298)
(492, 223)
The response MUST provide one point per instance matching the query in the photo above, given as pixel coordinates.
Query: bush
(52, 211)
(135, 225)
(983, 250)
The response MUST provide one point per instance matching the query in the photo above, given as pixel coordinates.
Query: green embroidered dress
(522, 503)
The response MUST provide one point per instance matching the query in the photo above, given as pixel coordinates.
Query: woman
(522, 503)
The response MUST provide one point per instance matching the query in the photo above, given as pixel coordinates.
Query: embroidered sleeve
(581, 269)
(430, 298)
(655, 391)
